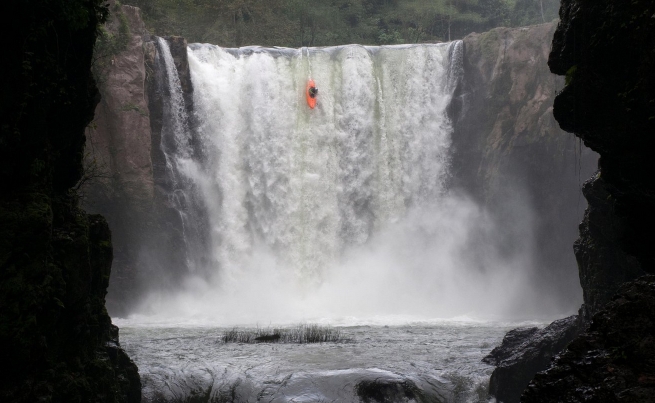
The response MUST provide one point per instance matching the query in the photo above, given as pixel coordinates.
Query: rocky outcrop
(58, 343)
(133, 188)
(118, 149)
(383, 390)
(613, 361)
(510, 153)
(524, 352)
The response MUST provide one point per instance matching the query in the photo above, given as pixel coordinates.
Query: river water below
(422, 362)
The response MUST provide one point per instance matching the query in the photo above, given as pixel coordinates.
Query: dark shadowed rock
(603, 266)
(386, 390)
(510, 344)
(56, 336)
(606, 50)
(613, 361)
(523, 353)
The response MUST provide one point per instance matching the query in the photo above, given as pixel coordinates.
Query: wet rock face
(523, 353)
(118, 146)
(613, 361)
(178, 47)
(379, 391)
(509, 153)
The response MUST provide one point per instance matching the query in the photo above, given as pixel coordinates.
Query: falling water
(180, 159)
(309, 184)
(333, 212)
(338, 215)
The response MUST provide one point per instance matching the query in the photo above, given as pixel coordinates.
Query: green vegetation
(129, 106)
(296, 23)
(300, 334)
(113, 38)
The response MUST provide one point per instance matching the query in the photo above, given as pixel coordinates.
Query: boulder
(524, 352)
(613, 361)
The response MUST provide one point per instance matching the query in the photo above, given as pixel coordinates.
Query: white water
(442, 359)
(338, 214)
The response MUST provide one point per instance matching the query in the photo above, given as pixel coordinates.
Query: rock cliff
(119, 148)
(58, 343)
(606, 50)
(509, 152)
(613, 361)
(132, 188)
(609, 103)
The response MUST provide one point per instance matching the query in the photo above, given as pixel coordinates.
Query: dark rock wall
(606, 50)
(133, 188)
(509, 152)
(603, 266)
(524, 352)
(125, 140)
(58, 343)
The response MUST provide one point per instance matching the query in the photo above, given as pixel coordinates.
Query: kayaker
(313, 91)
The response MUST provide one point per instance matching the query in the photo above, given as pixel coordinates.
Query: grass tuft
(305, 333)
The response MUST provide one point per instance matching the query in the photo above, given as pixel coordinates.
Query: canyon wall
(509, 153)
(58, 342)
(511, 156)
(119, 147)
(606, 50)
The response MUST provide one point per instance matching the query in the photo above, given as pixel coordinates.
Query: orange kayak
(311, 101)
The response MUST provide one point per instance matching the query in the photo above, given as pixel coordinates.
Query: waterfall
(180, 160)
(338, 210)
(310, 184)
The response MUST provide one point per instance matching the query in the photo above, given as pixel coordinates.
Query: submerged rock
(380, 391)
(524, 352)
(613, 361)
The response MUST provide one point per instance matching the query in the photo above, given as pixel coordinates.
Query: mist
(444, 261)
(341, 215)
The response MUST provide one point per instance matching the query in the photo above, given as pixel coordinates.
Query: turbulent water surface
(437, 361)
